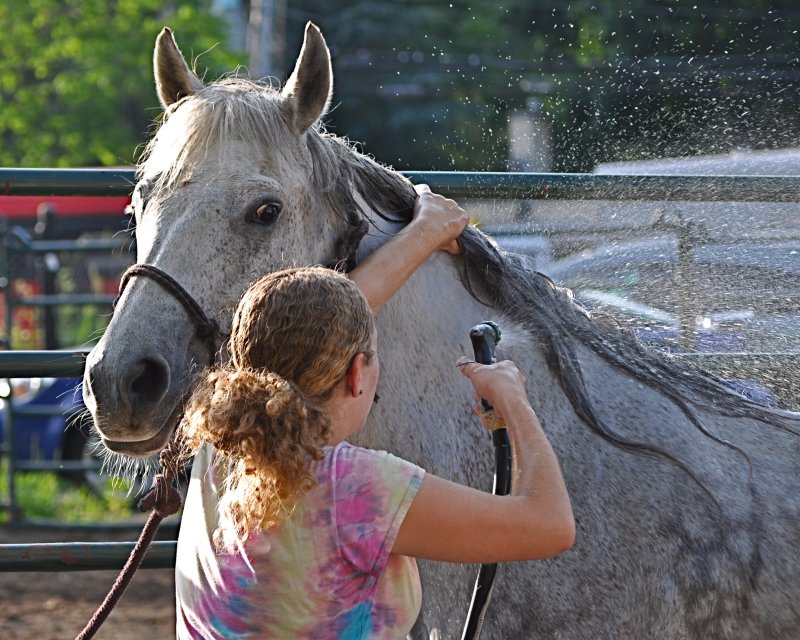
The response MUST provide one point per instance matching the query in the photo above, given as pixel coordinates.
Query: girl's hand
(440, 217)
(498, 383)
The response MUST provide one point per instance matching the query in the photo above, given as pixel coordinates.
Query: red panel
(24, 207)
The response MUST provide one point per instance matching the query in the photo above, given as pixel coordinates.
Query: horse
(686, 495)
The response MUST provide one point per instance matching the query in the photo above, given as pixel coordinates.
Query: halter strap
(207, 329)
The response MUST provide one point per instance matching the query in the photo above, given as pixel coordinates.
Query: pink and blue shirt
(326, 573)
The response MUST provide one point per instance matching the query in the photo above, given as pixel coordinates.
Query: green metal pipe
(575, 186)
(66, 182)
(61, 299)
(34, 364)
(72, 246)
(70, 364)
(82, 556)
(566, 186)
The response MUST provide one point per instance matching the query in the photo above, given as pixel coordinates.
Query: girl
(290, 532)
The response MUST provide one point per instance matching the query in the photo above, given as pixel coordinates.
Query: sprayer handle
(484, 337)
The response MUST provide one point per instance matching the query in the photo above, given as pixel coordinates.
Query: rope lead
(164, 499)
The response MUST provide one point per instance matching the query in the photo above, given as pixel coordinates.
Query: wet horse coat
(686, 496)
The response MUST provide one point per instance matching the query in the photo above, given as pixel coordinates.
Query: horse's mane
(236, 108)
(511, 283)
(532, 299)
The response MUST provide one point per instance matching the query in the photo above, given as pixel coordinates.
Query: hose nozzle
(484, 337)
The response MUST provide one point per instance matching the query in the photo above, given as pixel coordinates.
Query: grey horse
(686, 495)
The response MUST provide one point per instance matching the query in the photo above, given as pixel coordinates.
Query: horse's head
(229, 188)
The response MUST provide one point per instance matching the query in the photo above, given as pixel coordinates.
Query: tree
(76, 85)
(430, 85)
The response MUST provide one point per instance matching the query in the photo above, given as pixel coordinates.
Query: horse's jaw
(147, 447)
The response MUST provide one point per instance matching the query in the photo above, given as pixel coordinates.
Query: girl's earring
(361, 392)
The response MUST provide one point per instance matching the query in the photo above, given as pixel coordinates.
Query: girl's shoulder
(347, 460)
(371, 492)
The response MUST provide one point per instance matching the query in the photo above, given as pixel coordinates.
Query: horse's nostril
(150, 382)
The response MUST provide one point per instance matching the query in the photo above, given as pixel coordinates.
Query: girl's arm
(454, 523)
(436, 224)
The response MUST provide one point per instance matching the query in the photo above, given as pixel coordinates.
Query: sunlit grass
(48, 496)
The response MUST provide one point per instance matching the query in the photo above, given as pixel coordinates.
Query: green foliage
(47, 496)
(76, 86)
(429, 85)
(426, 85)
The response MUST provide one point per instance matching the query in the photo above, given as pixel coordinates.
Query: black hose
(484, 338)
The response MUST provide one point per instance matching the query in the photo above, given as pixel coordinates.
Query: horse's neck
(425, 408)
(425, 411)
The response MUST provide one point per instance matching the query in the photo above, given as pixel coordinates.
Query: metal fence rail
(82, 556)
(69, 556)
(45, 364)
(524, 186)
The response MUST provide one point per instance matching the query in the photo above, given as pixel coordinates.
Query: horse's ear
(174, 78)
(310, 86)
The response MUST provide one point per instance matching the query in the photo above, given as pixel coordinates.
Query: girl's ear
(354, 376)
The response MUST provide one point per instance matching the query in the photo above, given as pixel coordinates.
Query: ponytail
(266, 431)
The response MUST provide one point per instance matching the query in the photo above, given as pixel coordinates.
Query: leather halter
(207, 329)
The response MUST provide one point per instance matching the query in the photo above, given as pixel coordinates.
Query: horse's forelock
(232, 108)
(236, 108)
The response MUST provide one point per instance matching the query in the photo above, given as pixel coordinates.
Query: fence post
(48, 265)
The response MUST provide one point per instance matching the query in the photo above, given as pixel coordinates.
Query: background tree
(430, 85)
(76, 80)
(423, 84)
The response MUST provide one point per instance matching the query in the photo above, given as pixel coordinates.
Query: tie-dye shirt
(327, 572)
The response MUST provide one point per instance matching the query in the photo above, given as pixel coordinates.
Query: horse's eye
(265, 214)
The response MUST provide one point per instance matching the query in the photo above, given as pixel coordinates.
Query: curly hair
(294, 336)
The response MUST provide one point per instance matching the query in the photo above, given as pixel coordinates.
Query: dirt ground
(56, 606)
